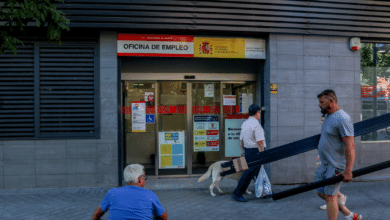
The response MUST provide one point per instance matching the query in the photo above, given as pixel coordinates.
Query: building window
(49, 92)
(375, 89)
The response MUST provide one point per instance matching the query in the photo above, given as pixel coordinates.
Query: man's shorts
(324, 172)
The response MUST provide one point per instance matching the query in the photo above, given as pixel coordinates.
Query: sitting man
(131, 201)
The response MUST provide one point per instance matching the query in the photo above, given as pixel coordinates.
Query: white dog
(215, 169)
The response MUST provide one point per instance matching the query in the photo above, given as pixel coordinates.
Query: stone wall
(302, 67)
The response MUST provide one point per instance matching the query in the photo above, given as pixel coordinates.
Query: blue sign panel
(150, 119)
(205, 118)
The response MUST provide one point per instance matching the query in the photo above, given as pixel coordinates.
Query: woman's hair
(132, 172)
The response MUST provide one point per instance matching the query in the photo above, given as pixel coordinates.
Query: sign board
(152, 45)
(138, 116)
(229, 100)
(274, 88)
(150, 119)
(148, 45)
(171, 149)
(206, 133)
(212, 47)
(232, 134)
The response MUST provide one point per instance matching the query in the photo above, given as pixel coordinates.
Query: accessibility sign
(150, 119)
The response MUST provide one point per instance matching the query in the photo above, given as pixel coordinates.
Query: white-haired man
(131, 201)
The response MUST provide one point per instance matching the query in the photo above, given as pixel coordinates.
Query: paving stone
(371, 199)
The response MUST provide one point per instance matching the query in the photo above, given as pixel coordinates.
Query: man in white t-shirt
(251, 142)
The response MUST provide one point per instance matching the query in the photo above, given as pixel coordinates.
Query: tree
(368, 67)
(20, 14)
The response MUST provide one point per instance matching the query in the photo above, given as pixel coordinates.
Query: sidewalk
(184, 198)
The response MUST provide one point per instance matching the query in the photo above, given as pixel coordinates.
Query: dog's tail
(206, 175)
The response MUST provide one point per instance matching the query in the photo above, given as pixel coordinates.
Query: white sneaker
(323, 207)
(355, 217)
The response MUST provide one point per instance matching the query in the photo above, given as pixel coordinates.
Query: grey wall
(303, 66)
(70, 163)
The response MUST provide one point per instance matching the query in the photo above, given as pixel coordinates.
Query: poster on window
(206, 133)
(208, 90)
(149, 96)
(229, 100)
(232, 134)
(171, 149)
(138, 116)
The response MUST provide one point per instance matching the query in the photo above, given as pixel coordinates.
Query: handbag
(262, 185)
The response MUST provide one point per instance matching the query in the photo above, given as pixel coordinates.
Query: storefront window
(375, 89)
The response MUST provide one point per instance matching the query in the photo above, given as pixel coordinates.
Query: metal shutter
(67, 93)
(17, 94)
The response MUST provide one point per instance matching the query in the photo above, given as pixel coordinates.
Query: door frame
(199, 78)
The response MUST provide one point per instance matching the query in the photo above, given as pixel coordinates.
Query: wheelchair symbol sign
(150, 119)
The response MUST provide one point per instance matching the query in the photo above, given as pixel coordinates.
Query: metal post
(375, 93)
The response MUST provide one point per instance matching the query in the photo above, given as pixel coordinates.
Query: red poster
(212, 132)
(212, 143)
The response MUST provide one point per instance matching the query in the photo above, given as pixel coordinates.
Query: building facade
(76, 114)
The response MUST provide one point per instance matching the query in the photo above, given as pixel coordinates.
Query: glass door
(172, 127)
(178, 128)
(237, 97)
(139, 128)
(205, 117)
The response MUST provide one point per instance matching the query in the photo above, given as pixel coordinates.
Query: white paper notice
(138, 116)
(229, 100)
(208, 90)
(246, 99)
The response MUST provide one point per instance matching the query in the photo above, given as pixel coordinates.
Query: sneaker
(357, 217)
(323, 207)
(342, 200)
(239, 198)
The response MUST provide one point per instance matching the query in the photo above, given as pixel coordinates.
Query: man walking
(251, 142)
(336, 150)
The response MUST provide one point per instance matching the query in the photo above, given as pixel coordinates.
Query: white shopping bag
(262, 185)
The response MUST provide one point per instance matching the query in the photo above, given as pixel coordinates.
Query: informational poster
(206, 133)
(208, 90)
(246, 99)
(232, 134)
(138, 116)
(171, 149)
(229, 100)
(149, 96)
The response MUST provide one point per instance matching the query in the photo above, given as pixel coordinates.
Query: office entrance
(177, 127)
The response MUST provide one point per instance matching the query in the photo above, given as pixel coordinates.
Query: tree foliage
(382, 68)
(19, 14)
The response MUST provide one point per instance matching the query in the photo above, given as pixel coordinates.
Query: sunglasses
(144, 176)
